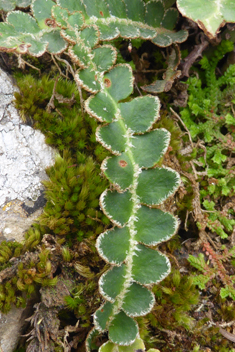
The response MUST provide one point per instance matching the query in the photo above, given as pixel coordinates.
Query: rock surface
(24, 156)
(23, 159)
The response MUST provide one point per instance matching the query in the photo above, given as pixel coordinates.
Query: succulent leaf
(112, 281)
(102, 316)
(133, 112)
(111, 347)
(117, 206)
(156, 185)
(138, 300)
(104, 57)
(117, 88)
(117, 8)
(157, 140)
(113, 245)
(42, 11)
(209, 15)
(154, 13)
(9, 5)
(157, 269)
(125, 245)
(101, 106)
(104, 135)
(22, 22)
(87, 78)
(123, 330)
(119, 170)
(154, 226)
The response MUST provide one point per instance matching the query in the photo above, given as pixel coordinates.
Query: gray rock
(23, 159)
(24, 156)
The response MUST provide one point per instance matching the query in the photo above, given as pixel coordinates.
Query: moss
(63, 126)
(72, 194)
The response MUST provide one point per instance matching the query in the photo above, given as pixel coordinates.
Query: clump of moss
(63, 125)
(175, 297)
(24, 279)
(72, 194)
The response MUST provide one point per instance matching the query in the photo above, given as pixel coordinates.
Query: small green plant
(137, 188)
(209, 120)
(174, 298)
(217, 269)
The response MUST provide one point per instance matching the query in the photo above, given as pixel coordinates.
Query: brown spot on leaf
(24, 47)
(107, 82)
(122, 163)
(50, 23)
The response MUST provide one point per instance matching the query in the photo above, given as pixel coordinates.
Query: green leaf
(104, 57)
(81, 55)
(136, 12)
(60, 16)
(101, 106)
(117, 8)
(165, 37)
(209, 15)
(76, 21)
(127, 29)
(170, 18)
(150, 147)
(9, 5)
(157, 269)
(113, 245)
(56, 44)
(112, 281)
(154, 226)
(72, 5)
(154, 13)
(227, 291)
(102, 315)
(138, 301)
(111, 347)
(218, 157)
(140, 114)
(97, 8)
(119, 170)
(209, 205)
(119, 88)
(90, 36)
(105, 134)
(88, 79)
(91, 340)
(22, 22)
(156, 185)
(108, 32)
(230, 120)
(35, 46)
(42, 11)
(117, 206)
(123, 330)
